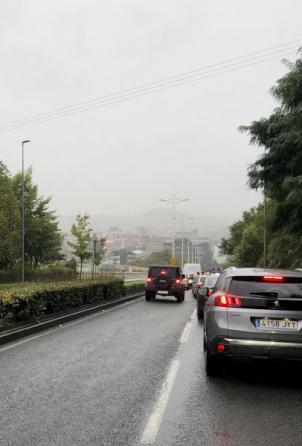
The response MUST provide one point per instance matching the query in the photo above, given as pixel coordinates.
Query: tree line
(278, 172)
(43, 237)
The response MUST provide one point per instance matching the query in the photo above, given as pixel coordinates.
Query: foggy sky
(123, 158)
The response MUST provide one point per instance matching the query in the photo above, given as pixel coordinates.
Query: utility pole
(23, 213)
(94, 240)
(264, 222)
(188, 258)
(174, 200)
(188, 241)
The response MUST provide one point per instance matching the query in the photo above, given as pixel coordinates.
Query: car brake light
(220, 348)
(149, 279)
(177, 281)
(273, 279)
(227, 300)
(163, 272)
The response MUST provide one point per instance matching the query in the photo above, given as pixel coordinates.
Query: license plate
(162, 281)
(276, 324)
(162, 292)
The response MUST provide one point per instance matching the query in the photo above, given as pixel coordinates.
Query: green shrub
(33, 300)
(41, 274)
(133, 287)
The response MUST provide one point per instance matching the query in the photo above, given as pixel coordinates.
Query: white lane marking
(151, 430)
(185, 333)
(193, 314)
(61, 327)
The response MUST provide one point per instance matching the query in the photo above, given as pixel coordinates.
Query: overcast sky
(125, 157)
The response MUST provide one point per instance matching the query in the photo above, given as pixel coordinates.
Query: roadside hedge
(133, 287)
(32, 301)
(43, 274)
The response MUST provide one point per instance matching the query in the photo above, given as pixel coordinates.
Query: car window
(249, 286)
(155, 271)
(220, 284)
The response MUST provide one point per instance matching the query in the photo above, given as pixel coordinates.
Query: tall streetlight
(264, 222)
(174, 200)
(23, 213)
(182, 241)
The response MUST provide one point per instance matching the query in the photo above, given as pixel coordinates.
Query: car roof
(258, 272)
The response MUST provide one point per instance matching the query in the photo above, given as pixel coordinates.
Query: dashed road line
(155, 419)
(185, 333)
(193, 314)
(154, 422)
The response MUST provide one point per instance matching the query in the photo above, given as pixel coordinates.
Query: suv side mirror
(203, 291)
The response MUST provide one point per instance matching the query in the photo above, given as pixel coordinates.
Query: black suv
(165, 281)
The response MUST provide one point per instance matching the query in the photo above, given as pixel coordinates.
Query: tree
(82, 235)
(245, 244)
(280, 166)
(10, 221)
(43, 238)
(279, 171)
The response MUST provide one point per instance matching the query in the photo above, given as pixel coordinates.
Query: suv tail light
(273, 279)
(149, 279)
(227, 300)
(177, 281)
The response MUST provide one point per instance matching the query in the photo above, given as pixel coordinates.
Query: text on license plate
(276, 324)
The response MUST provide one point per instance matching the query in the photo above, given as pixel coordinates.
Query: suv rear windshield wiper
(264, 293)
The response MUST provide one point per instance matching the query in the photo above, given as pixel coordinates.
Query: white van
(190, 269)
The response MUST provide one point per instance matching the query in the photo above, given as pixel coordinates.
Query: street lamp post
(23, 213)
(174, 200)
(188, 241)
(182, 252)
(264, 222)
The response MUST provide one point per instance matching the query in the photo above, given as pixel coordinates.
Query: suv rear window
(155, 271)
(290, 287)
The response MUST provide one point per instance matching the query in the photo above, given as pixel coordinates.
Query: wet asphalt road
(98, 380)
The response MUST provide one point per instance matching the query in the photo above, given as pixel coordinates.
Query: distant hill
(157, 221)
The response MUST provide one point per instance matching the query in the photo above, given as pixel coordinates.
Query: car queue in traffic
(247, 313)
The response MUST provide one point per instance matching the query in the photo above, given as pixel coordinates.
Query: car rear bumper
(256, 348)
(173, 291)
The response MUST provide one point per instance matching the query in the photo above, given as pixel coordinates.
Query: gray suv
(253, 313)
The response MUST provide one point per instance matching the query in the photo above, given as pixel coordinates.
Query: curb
(13, 335)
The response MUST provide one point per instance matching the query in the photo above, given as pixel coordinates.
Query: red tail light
(149, 279)
(227, 300)
(220, 348)
(273, 279)
(177, 281)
